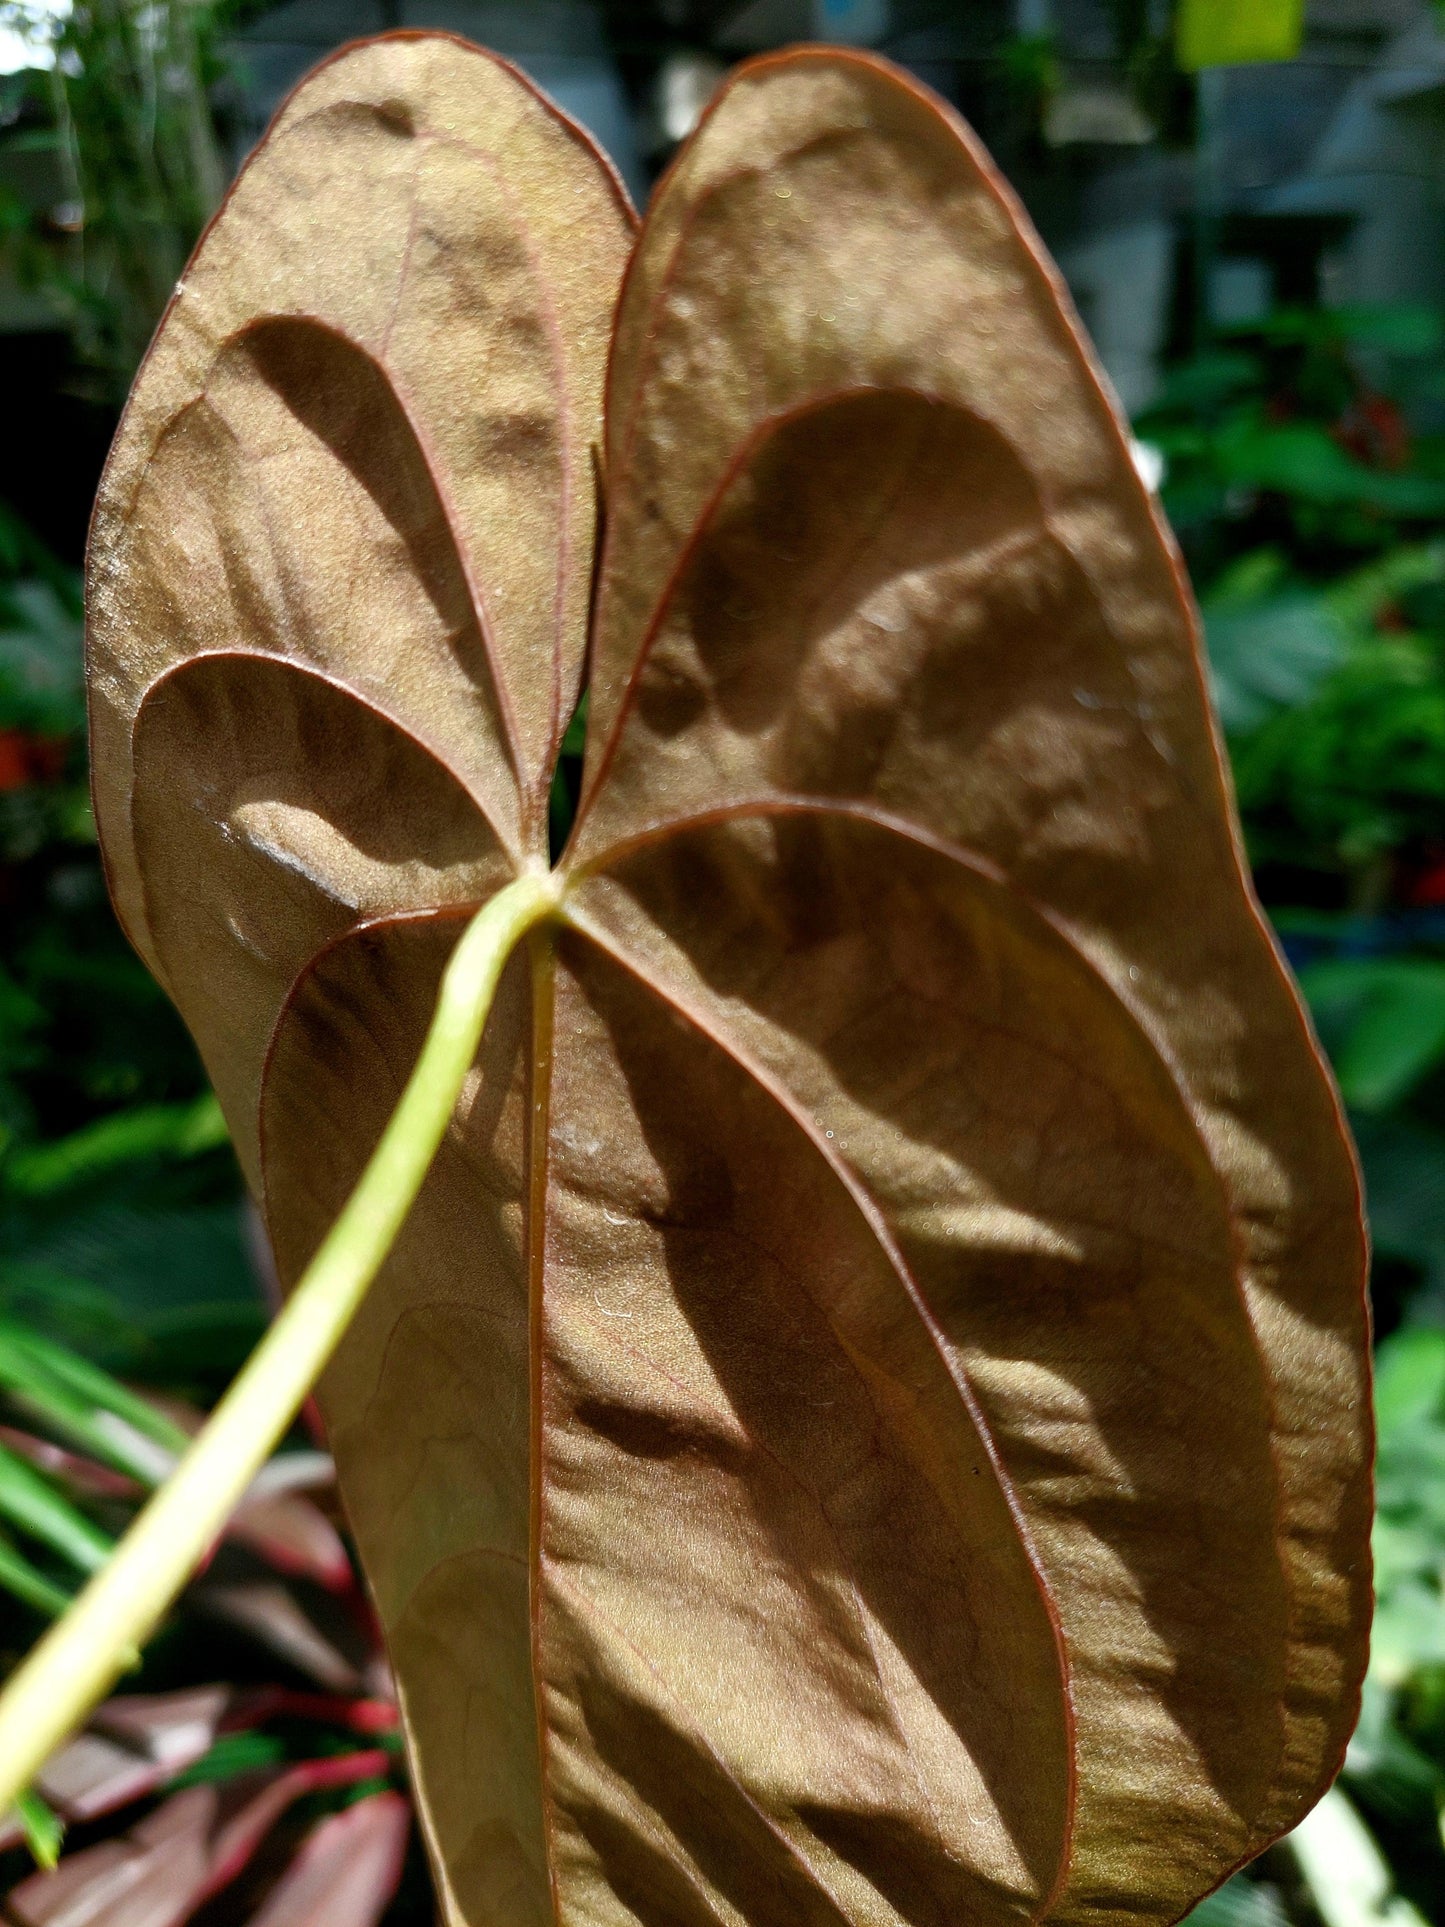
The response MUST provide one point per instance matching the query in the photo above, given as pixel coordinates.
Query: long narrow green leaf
(86, 1405)
(28, 1584)
(44, 1829)
(148, 1131)
(1348, 1877)
(38, 1507)
(1238, 1903)
(232, 1755)
(29, 1349)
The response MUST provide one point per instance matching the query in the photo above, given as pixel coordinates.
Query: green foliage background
(1308, 491)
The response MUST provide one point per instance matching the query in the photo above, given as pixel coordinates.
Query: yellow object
(1234, 33)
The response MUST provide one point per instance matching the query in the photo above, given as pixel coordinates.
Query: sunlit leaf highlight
(868, 1419)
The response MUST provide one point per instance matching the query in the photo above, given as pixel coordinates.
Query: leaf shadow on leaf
(861, 1490)
(926, 484)
(1098, 1270)
(932, 635)
(335, 390)
(1105, 1264)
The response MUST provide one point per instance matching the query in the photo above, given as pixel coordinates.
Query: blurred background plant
(272, 1794)
(1298, 422)
(129, 120)
(1305, 477)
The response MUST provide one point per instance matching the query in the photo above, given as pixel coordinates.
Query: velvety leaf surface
(867, 1420)
(989, 644)
(365, 436)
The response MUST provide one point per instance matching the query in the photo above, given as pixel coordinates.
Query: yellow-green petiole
(81, 1656)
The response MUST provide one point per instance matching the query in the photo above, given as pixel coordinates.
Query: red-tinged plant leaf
(14, 760)
(138, 1742)
(293, 1534)
(151, 1878)
(294, 1472)
(347, 1870)
(84, 1475)
(288, 1530)
(273, 1614)
(278, 1702)
(134, 1744)
(868, 1419)
(27, 759)
(275, 1519)
(243, 1831)
(193, 1845)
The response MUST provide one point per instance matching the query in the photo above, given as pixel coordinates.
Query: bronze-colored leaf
(867, 1420)
(365, 434)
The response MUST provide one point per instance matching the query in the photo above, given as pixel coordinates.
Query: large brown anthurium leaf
(867, 1422)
